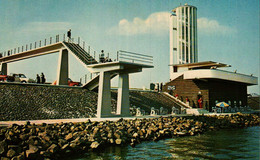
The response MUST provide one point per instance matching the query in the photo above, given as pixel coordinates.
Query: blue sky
(228, 32)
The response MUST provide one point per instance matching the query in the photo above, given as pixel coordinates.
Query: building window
(174, 69)
(175, 49)
(187, 54)
(174, 29)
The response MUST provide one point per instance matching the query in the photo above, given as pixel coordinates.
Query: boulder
(94, 145)
(11, 153)
(69, 137)
(3, 147)
(53, 148)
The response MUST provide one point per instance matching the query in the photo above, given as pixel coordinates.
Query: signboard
(171, 87)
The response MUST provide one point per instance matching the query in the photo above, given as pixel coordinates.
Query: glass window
(187, 54)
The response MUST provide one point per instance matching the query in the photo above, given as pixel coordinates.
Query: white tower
(183, 36)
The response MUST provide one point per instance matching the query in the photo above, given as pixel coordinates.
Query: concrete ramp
(94, 82)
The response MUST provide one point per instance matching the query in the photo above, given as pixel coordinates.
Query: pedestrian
(187, 101)
(69, 35)
(43, 78)
(8, 53)
(38, 79)
(200, 102)
(102, 57)
(161, 86)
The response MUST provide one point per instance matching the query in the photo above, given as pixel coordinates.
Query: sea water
(223, 144)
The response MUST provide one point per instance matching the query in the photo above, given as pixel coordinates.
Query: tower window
(175, 49)
(174, 29)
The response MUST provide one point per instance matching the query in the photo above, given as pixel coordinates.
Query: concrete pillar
(63, 68)
(104, 95)
(123, 107)
(4, 68)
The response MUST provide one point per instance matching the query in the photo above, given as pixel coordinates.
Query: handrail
(136, 53)
(177, 100)
(48, 41)
(134, 57)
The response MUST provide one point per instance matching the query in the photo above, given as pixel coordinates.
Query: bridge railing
(87, 77)
(34, 45)
(48, 41)
(83, 44)
(134, 57)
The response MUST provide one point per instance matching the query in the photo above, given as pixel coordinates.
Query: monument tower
(183, 36)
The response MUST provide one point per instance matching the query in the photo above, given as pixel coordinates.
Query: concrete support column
(4, 68)
(123, 107)
(104, 95)
(63, 68)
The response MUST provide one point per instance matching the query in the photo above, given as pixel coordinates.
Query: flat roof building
(190, 79)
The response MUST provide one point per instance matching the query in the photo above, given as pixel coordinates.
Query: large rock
(3, 147)
(11, 153)
(53, 148)
(94, 145)
(32, 152)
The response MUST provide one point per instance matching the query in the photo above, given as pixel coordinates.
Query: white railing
(134, 57)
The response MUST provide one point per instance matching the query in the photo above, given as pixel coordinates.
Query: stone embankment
(22, 102)
(54, 141)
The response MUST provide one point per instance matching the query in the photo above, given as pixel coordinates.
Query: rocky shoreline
(54, 141)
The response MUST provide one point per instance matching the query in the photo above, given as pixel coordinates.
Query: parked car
(22, 78)
(70, 83)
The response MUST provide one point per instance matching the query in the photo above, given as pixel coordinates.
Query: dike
(54, 141)
(29, 102)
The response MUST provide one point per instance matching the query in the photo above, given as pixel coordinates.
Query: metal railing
(134, 57)
(87, 77)
(48, 41)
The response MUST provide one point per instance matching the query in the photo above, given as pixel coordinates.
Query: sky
(228, 32)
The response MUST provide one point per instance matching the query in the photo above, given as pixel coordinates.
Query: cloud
(209, 26)
(156, 23)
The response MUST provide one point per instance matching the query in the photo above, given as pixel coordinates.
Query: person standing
(43, 78)
(38, 79)
(200, 102)
(69, 35)
(102, 57)
(187, 101)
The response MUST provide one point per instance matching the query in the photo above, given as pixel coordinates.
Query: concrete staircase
(82, 55)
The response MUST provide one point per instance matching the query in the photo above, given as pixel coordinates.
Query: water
(225, 144)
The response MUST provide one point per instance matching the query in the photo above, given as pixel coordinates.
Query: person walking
(69, 35)
(43, 78)
(38, 79)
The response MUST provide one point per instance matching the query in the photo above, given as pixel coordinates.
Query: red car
(4, 77)
(70, 83)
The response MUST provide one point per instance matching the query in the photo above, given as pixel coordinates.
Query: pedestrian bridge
(125, 63)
